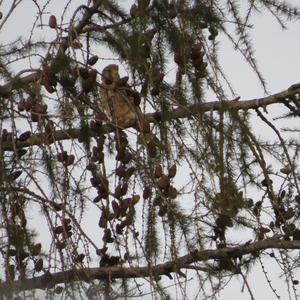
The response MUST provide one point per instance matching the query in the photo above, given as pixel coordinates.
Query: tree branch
(73, 33)
(88, 274)
(178, 113)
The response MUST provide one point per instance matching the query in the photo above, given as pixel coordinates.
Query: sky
(277, 54)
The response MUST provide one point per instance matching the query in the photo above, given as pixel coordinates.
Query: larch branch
(89, 274)
(177, 113)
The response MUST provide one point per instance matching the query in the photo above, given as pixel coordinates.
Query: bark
(177, 113)
(49, 280)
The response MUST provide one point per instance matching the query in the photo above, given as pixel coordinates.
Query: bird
(121, 105)
(117, 98)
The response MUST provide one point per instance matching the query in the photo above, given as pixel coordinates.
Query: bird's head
(110, 74)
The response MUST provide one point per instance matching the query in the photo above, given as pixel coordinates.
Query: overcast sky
(278, 55)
